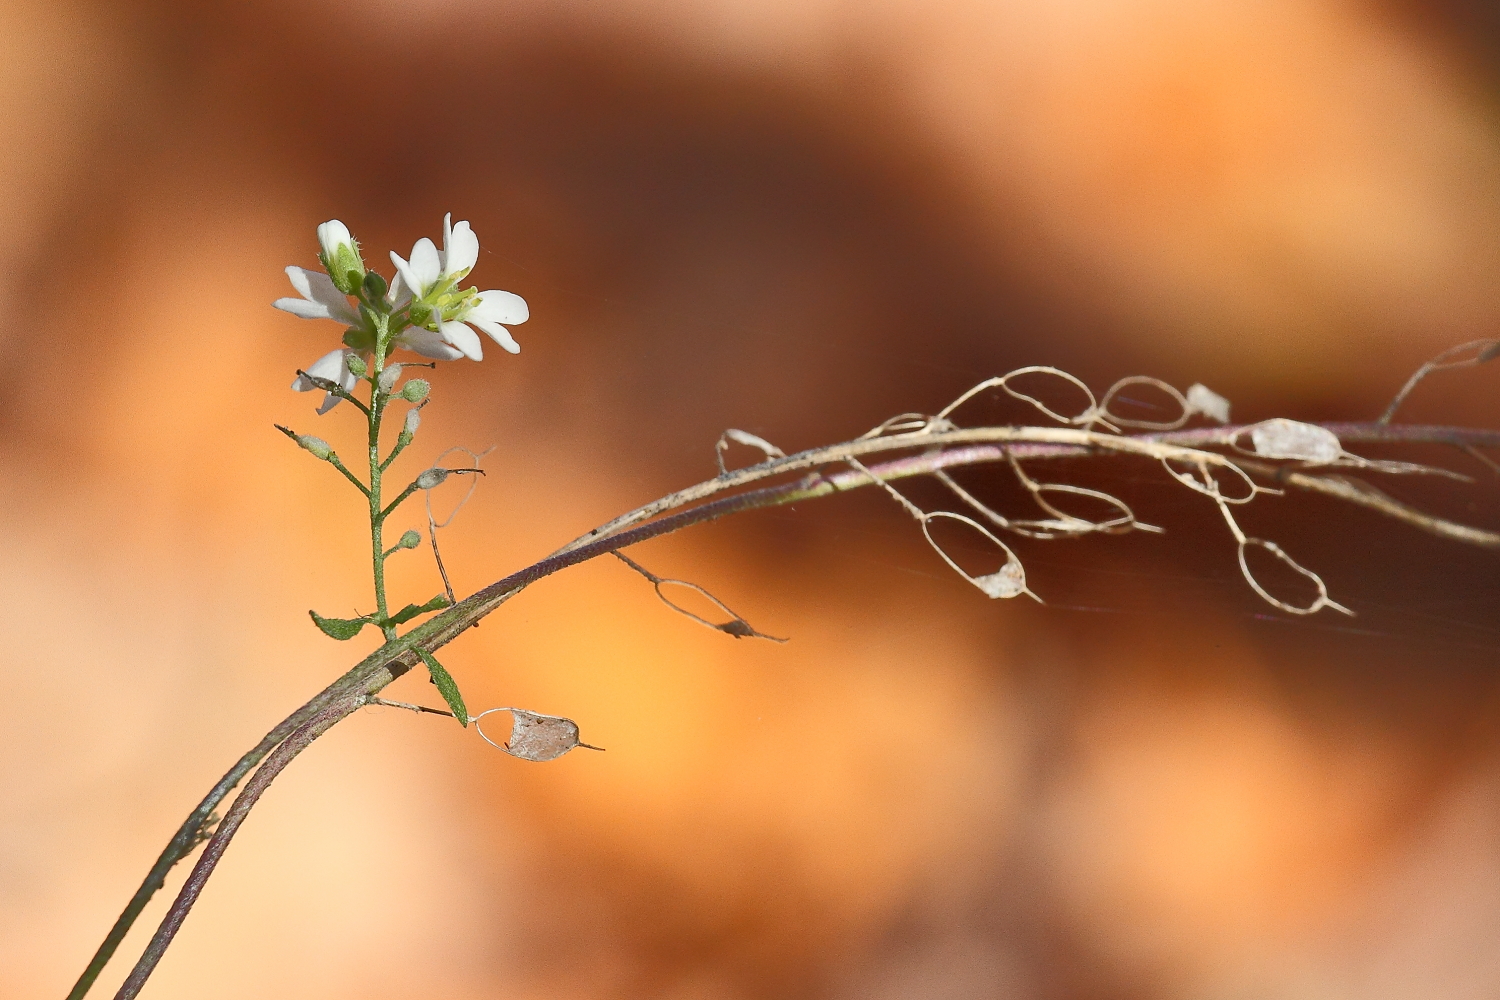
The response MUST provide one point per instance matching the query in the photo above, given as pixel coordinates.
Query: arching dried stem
(1481, 351)
(912, 445)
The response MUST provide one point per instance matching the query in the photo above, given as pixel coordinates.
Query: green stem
(398, 501)
(401, 443)
(334, 461)
(378, 400)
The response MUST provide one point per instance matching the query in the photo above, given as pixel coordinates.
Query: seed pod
(316, 445)
(1283, 438)
(534, 736)
(432, 478)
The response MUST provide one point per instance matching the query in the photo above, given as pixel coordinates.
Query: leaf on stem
(341, 629)
(446, 687)
(411, 611)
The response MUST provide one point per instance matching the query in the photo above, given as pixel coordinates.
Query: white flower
(429, 283)
(333, 366)
(320, 299)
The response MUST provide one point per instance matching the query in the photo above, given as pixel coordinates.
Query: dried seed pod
(1007, 581)
(1283, 438)
(1202, 399)
(534, 736)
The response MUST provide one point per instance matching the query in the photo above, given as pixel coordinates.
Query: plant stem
(294, 744)
(935, 451)
(378, 401)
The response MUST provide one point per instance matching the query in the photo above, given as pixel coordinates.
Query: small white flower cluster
(422, 310)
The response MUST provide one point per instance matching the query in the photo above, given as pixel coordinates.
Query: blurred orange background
(795, 218)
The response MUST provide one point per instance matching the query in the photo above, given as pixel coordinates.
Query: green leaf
(411, 611)
(446, 687)
(339, 628)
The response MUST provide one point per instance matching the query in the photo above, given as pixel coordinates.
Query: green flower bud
(375, 286)
(410, 540)
(359, 339)
(356, 365)
(316, 445)
(415, 391)
(430, 479)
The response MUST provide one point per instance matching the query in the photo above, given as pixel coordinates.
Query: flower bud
(430, 479)
(340, 256)
(316, 445)
(413, 421)
(375, 286)
(359, 339)
(356, 365)
(415, 391)
(410, 540)
(388, 377)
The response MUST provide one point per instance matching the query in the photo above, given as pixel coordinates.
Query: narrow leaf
(446, 687)
(339, 628)
(411, 611)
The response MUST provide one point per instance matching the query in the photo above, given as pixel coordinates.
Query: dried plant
(423, 309)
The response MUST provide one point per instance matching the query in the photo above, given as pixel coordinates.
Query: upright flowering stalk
(425, 310)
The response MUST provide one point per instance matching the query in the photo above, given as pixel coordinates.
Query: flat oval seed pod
(1283, 438)
(534, 736)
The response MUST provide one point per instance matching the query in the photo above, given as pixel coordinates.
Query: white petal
(329, 402)
(501, 334)
(428, 344)
(404, 275)
(398, 295)
(301, 279)
(331, 234)
(329, 366)
(463, 338)
(460, 249)
(426, 267)
(318, 287)
(303, 308)
(500, 307)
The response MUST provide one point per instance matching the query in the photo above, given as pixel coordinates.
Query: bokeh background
(797, 218)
